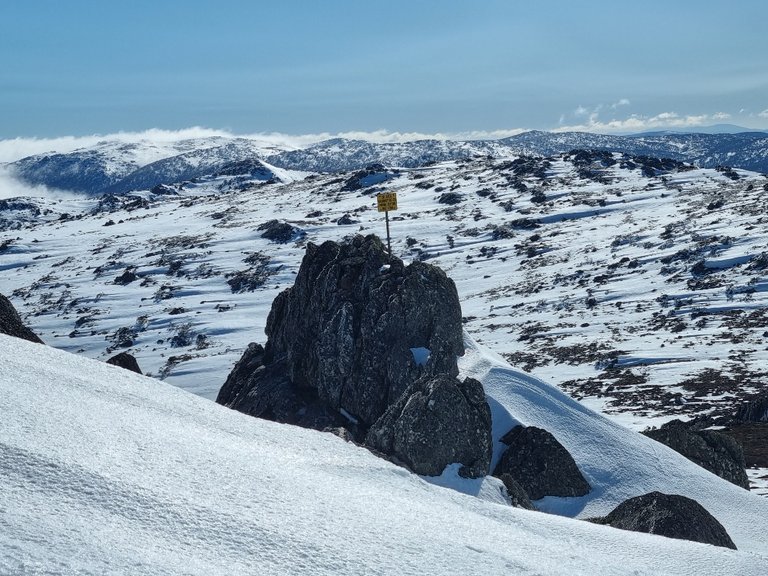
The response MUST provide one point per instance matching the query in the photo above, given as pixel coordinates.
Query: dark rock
(756, 410)
(125, 360)
(718, 453)
(346, 219)
(517, 495)
(436, 422)
(669, 515)
(342, 337)
(280, 232)
(164, 190)
(450, 198)
(11, 324)
(541, 465)
(126, 277)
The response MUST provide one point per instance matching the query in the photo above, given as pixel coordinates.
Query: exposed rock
(164, 190)
(346, 220)
(718, 453)
(669, 515)
(126, 277)
(125, 360)
(540, 464)
(517, 495)
(756, 410)
(436, 422)
(341, 340)
(280, 232)
(11, 324)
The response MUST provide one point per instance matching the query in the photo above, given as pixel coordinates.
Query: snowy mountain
(105, 471)
(116, 167)
(119, 167)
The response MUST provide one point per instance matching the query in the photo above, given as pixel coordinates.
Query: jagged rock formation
(126, 361)
(540, 464)
(11, 324)
(718, 453)
(353, 333)
(436, 422)
(669, 515)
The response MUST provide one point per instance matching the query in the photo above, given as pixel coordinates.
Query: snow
(108, 472)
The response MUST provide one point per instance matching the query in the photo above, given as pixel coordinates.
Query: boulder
(540, 464)
(356, 329)
(11, 324)
(126, 361)
(756, 410)
(517, 495)
(437, 421)
(279, 232)
(669, 515)
(718, 453)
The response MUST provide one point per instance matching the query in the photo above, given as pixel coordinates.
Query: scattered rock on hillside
(436, 422)
(669, 515)
(341, 341)
(126, 361)
(11, 324)
(279, 232)
(540, 464)
(716, 452)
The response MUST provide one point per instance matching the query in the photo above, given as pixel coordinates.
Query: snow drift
(106, 471)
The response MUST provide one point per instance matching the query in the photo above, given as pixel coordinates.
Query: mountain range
(117, 167)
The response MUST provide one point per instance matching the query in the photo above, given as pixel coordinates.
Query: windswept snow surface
(107, 472)
(617, 462)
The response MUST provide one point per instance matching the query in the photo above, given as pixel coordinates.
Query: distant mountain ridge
(117, 167)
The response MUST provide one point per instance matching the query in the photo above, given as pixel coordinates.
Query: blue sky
(81, 67)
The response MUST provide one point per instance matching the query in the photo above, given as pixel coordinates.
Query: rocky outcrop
(540, 464)
(11, 324)
(354, 332)
(718, 453)
(126, 361)
(756, 410)
(436, 422)
(669, 515)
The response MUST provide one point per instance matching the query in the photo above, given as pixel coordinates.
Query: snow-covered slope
(635, 285)
(117, 166)
(107, 472)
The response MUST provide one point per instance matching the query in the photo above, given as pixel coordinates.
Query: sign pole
(389, 244)
(386, 201)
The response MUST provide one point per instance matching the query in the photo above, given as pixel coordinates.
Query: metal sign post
(386, 201)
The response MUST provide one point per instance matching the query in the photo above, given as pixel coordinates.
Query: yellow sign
(386, 201)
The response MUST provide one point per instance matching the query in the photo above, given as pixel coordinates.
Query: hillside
(127, 475)
(636, 285)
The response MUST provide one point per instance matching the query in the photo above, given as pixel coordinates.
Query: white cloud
(10, 187)
(763, 114)
(580, 111)
(636, 122)
(620, 102)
